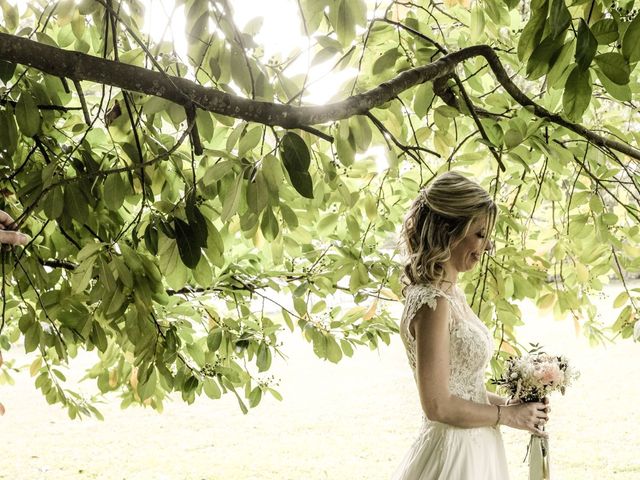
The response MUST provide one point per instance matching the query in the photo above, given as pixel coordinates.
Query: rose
(548, 374)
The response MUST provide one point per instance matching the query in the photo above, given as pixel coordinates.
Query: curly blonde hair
(437, 220)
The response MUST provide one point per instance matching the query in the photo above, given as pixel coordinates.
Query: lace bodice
(470, 342)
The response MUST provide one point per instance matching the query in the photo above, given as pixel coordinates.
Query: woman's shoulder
(425, 293)
(428, 287)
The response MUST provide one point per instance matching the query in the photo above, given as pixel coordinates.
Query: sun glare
(279, 32)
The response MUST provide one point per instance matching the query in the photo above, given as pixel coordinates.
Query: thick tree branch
(79, 66)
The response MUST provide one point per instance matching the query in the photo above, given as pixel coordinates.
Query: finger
(13, 238)
(6, 221)
(537, 430)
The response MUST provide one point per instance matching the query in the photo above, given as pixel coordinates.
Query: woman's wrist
(497, 399)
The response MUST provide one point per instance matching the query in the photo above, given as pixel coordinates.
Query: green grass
(353, 420)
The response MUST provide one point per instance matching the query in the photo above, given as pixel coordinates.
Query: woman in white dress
(444, 233)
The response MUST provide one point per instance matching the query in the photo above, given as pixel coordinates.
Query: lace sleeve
(419, 295)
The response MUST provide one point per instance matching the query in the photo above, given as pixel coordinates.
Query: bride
(444, 233)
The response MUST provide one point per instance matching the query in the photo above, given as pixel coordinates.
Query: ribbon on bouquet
(538, 452)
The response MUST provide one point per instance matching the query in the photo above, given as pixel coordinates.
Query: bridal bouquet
(531, 378)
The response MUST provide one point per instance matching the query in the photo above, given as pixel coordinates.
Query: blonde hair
(437, 220)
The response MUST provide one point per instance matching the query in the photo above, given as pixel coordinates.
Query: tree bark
(79, 66)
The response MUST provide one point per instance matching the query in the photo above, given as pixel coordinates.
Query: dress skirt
(445, 452)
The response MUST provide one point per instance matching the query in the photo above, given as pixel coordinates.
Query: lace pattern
(470, 342)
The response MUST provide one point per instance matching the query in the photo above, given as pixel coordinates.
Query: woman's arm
(497, 399)
(432, 357)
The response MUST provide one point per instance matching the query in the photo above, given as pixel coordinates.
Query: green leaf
(619, 92)
(28, 115)
(344, 21)
(217, 171)
(231, 201)
(334, 354)
(240, 69)
(533, 30)
(214, 339)
(82, 275)
(249, 140)
(543, 57)
(631, 41)
(197, 222)
(605, 31)
(577, 93)
(477, 21)
(423, 99)
(155, 105)
(296, 159)
(289, 216)
(558, 72)
(586, 46)
(188, 248)
(255, 396)
(295, 153)
(345, 152)
(385, 61)
(190, 384)
(263, 360)
(54, 203)
(275, 394)
(114, 191)
(287, 319)
(346, 347)
(269, 225)
(272, 171)
(614, 66)
(560, 17)
(8, 132)
(75, 203)
(621, 299)
(258, 192)
(361, 131)
(211, 389)
(148, 388)
(32, 337)
(151, 239)
(319, 343)
(11, 17)
(7, 69)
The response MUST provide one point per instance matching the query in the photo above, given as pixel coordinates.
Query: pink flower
(548, 373)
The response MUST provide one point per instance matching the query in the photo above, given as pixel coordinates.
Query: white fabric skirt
(445, 452)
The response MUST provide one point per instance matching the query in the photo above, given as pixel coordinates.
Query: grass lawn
(353, 420)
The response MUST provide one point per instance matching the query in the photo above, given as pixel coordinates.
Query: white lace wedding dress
(441, 451)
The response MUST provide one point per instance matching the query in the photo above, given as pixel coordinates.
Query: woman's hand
(529, 416)
(8, 231)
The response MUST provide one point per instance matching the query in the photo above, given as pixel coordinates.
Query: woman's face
(468, 251)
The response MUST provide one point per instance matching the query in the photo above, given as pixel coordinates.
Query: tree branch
(79, 66)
